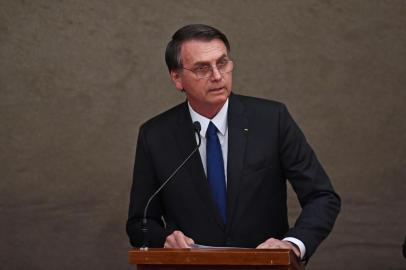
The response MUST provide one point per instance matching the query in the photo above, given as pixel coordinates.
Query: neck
(207, 111)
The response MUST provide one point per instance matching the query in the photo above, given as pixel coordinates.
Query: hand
(178, 240)
(275, 243)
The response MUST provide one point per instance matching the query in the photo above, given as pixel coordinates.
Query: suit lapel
(237, 138)
(186, 143)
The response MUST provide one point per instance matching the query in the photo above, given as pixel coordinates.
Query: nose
(216, 74)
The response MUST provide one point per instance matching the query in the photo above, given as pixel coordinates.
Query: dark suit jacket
(266, 147)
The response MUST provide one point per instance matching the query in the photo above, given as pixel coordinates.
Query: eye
(202, 68)
(223, 62)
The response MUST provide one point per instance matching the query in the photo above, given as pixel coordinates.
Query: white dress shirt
(220, 121)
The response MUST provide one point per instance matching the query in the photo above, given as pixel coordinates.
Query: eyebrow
(201, 63)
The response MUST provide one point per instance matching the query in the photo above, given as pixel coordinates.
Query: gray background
(77, 78)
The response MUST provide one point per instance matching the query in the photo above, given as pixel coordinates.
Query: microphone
(144, 228)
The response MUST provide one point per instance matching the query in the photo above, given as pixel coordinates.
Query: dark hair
(189, 32)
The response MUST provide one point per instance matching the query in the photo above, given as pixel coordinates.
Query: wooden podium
(213, 259)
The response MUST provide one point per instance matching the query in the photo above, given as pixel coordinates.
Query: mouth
(217, 89)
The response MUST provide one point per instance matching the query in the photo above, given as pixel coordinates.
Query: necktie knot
(211, 130)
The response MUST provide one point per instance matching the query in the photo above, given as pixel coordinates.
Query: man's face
(205, 95)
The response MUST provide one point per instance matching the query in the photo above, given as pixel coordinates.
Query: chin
(219, 101)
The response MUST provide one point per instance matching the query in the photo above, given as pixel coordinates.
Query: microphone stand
(144, 227)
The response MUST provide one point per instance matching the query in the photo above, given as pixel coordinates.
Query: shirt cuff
(299, 244)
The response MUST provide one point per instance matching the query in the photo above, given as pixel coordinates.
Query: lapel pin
(246, 129)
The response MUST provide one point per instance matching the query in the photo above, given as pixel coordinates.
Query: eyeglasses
(205, 71)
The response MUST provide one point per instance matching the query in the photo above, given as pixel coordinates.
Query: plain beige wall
(77, 78)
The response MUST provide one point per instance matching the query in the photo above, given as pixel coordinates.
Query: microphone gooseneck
(144, 227)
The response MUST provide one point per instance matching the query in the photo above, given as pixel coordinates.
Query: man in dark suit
(234, 195)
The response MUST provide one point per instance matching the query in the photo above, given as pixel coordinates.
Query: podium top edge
(214, 250)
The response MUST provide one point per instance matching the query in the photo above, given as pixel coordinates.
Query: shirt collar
(220, 120)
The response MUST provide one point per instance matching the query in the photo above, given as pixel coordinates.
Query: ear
(176, 79)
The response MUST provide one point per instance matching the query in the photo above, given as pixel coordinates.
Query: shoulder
(259, 106)
(166, 120)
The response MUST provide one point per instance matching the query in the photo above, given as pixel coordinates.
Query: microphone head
(197, 126)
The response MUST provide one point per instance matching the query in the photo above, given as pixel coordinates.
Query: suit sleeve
(145, 183)
(320, 204)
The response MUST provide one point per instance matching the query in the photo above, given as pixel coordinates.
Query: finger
(273, 243)
(181, 241)
(263, 245)
(170, 241)
(189, 241)
(274, 246)
(279, 244)
(177, 240)
(267, 243)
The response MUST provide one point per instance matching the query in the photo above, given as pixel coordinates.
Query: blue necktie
(215, 169)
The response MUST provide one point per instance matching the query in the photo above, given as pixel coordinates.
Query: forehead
(193, 51)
